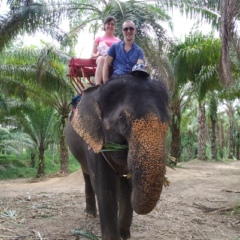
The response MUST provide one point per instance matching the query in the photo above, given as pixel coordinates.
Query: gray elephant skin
(128, 111)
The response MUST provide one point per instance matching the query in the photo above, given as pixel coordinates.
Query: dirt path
(198, 204)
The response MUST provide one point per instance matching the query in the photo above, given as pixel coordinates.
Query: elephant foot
(123, 238)
(90, 214)
(125, 235)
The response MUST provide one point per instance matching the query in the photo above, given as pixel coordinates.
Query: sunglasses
(131, 29)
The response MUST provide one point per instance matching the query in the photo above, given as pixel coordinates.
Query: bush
(6, 160)
(12, 166)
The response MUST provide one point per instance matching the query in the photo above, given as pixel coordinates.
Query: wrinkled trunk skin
(146, 159)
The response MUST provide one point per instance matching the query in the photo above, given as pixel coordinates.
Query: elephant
(129, 111)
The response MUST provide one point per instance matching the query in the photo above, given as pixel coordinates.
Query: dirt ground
(200, 203)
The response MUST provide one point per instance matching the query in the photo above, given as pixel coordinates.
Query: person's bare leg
(98, 73)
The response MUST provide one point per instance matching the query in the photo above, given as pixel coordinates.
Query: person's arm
(107, 63)
(95, 52)
(140, 61)
(140, 57)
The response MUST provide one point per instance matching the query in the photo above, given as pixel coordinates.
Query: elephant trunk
(146, 158)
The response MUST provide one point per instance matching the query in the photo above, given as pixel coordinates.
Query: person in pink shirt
(101, 45)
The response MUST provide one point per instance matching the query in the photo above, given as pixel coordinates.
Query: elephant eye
(122, 125)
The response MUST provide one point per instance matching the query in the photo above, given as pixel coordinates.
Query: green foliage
(13, 140)
(16, 172)
(41, 74)
(13, 167)
(189, 146)
(36, 73)
(39, 123)
(213, 105)
(113, 147)
(30, 19)
(73, 164)
(52, 163)
(11, 160)
(196, 60)
(205, 11)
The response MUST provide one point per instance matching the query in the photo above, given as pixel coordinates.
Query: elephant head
(133, 112)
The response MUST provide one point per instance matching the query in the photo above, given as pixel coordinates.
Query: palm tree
(11, 139)
(232, 127)
(36, 16)
(148, 18)
(230, 11)
(39, 123)
(41, 76)
(180, 100)
(143, 15)
(29, 19)
(80, 14)
(151, 35)
(213, 105)
(189, 130)
(196, 61)
(223, 15)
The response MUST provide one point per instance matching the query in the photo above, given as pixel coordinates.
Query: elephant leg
(125, 208)
(90, 210)
(106, 181)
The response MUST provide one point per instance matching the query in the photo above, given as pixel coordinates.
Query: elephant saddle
(81, 72)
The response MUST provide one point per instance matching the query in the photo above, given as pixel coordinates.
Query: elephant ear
(87, 120)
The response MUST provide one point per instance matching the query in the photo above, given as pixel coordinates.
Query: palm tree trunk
(63, 156)
(238, 145)
(213, 139)
(221, 138)
(41, 164)
(230, 112)
(63, 149)
(175, 128)
(229, 10)
(202, 132)
(230, 141)
(33, 160)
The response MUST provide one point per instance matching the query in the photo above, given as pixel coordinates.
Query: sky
(3, 7)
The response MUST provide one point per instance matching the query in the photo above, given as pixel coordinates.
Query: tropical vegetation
(202, 73)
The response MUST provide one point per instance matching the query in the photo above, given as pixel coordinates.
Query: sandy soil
(200, 203)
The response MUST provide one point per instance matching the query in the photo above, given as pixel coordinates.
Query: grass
(13, 167)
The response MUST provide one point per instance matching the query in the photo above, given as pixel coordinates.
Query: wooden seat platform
(80, 68)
